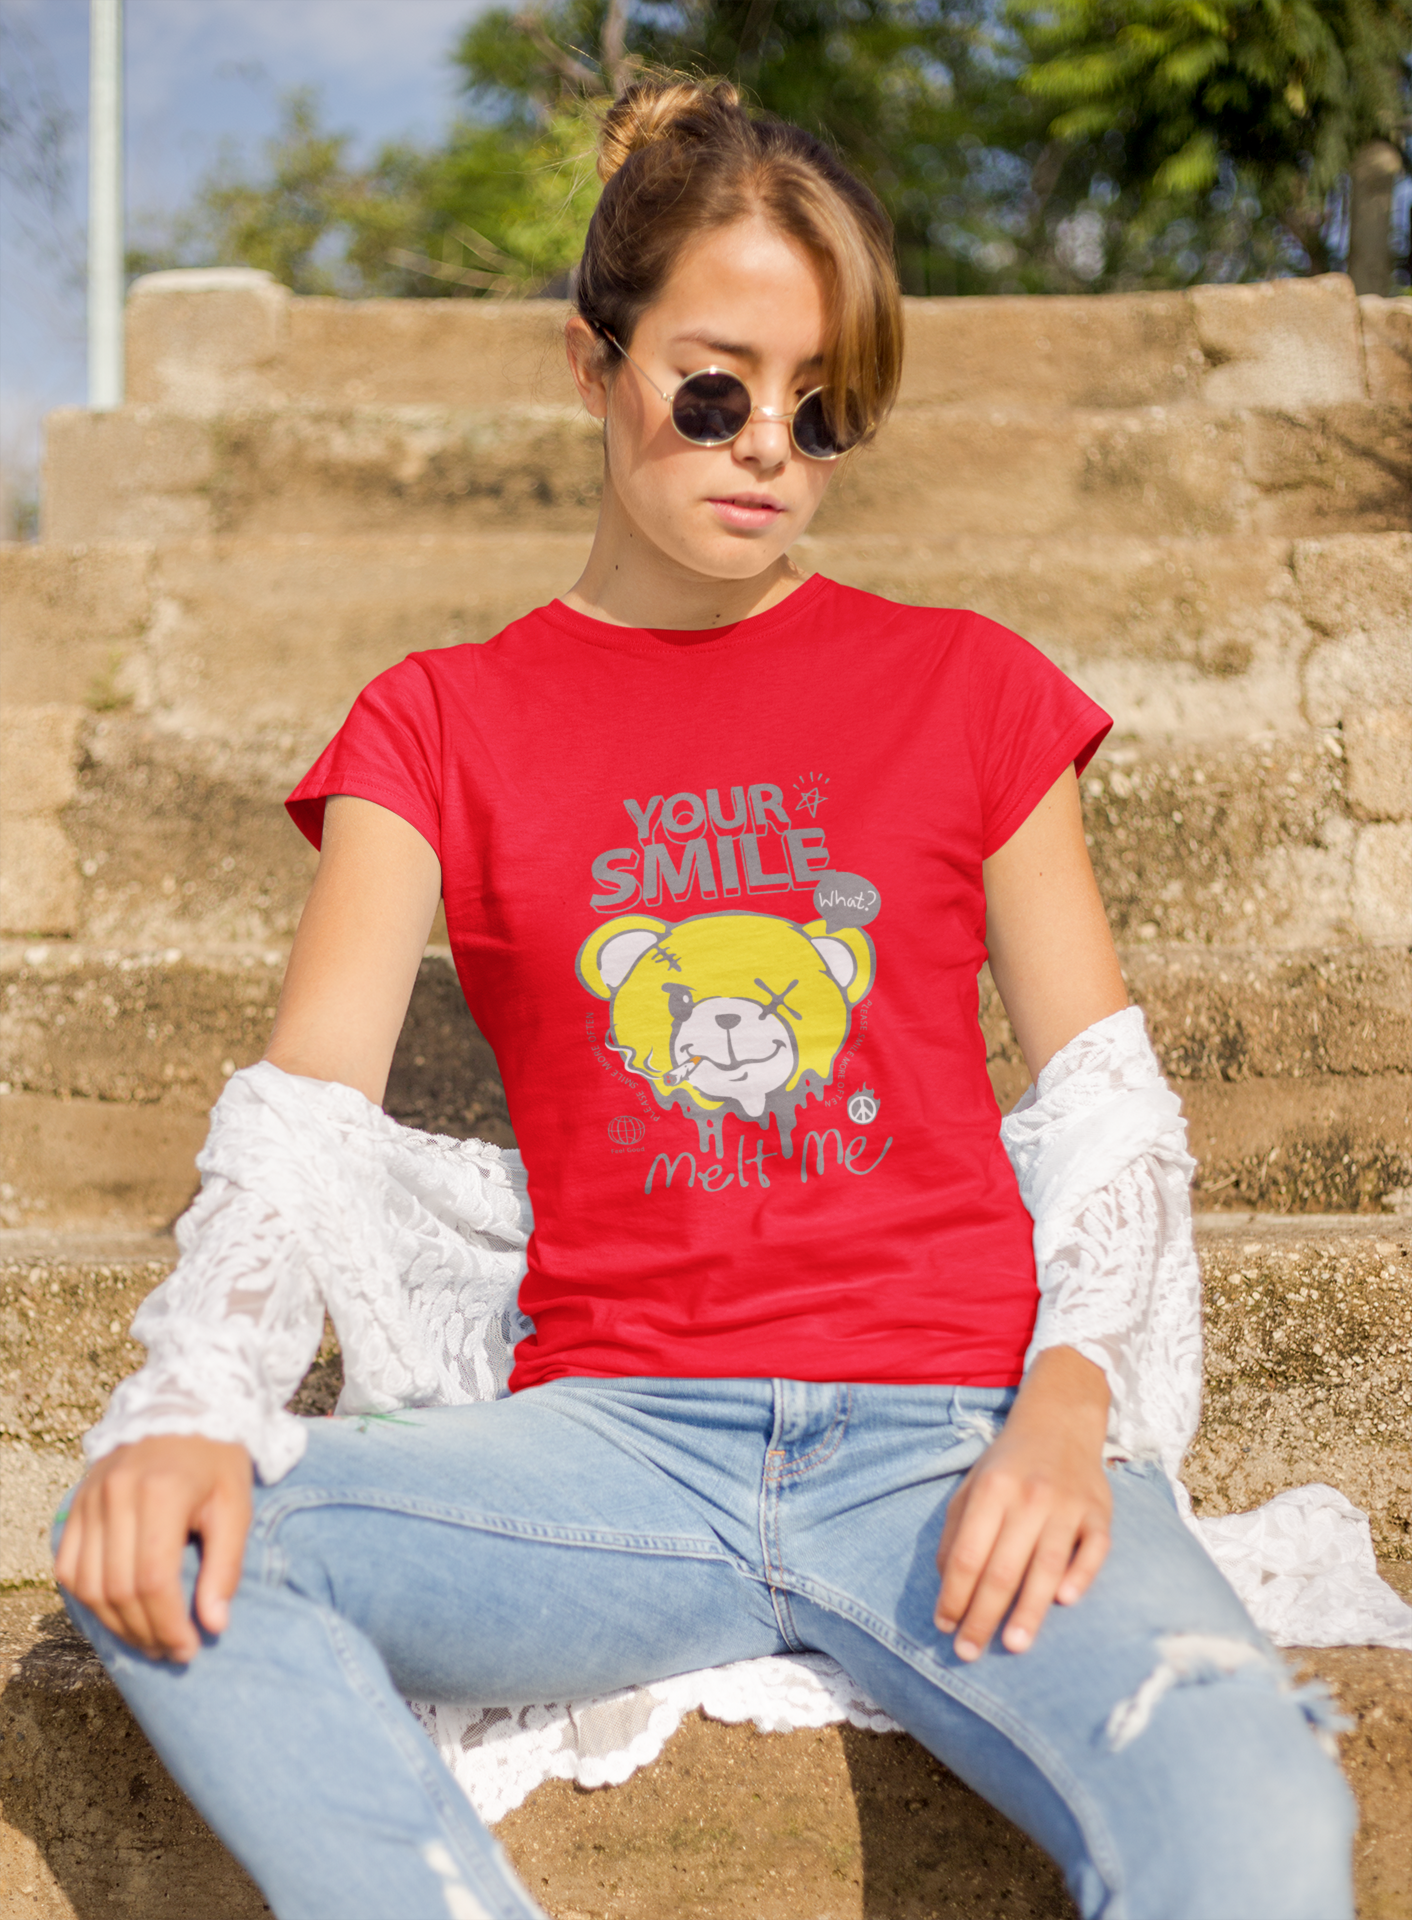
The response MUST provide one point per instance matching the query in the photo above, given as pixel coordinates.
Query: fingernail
(945, 1624)
(967, 1650)
(1016, 1639)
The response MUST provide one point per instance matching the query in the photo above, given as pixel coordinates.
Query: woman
(716, 841)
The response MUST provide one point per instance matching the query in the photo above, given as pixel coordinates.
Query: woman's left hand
(1032, 1516)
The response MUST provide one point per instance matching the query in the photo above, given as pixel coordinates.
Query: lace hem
(499, 1755)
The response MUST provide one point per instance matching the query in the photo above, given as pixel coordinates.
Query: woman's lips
(747, 510)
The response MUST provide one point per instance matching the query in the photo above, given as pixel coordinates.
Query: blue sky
(199, 73)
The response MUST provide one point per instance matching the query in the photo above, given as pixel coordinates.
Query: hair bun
(660, 109)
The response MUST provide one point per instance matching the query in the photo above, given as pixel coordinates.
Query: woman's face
(747, 299)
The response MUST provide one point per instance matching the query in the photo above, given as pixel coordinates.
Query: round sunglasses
(713, 407)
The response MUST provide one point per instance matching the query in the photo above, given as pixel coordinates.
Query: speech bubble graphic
(846, 900)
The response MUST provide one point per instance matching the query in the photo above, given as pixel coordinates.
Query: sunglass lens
(710, 408)
(813, 434)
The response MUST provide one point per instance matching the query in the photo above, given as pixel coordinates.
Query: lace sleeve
(229, 1335)
(313, 1198)
(1099, 1150)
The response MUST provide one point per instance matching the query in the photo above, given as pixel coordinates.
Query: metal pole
(105, 203)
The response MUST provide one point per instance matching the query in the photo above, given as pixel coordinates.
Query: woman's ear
(588, 365)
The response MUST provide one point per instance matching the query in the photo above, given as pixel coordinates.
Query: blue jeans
(590, 1534)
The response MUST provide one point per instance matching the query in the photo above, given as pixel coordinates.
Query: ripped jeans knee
(1205, 1659)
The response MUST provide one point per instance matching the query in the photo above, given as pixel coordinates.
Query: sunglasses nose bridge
(765, 416)
(769, 451)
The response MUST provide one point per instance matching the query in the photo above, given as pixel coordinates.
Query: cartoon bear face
(732, 1049)
(738, 1011)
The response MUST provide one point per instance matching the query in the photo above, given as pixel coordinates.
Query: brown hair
(679, 158)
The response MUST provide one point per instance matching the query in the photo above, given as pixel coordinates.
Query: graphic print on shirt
(740, 1013)
(733, 1010)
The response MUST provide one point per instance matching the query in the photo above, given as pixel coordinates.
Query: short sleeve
(388, 750)
(1028, 721)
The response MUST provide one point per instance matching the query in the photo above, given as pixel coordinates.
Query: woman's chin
(728, 556)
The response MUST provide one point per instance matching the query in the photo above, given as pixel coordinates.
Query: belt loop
(775, 1451)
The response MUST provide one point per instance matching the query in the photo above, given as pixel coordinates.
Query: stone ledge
(180, 839)
(168, 1030)
(1195, 639)
(1320, 1144)
(97, 1164)
(825, 1825)
(1308, 1356)
(1293, 1069)
(1232, 1014)
(1308, 1368)
(202, 342)
(1238, 846)
(157, 1028)
(137, 473)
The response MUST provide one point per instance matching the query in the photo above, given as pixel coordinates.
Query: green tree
(1021, 146)
(283, 220)
(491, 209)
(1270, 101)
(500, 209)
(919, 96)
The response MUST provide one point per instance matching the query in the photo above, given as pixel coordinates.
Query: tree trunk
(613, 47)
(1375, 169)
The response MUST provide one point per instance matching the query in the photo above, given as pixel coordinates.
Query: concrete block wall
(1193, 502)
(1278, 408)
(1197, 504)
(208, 343)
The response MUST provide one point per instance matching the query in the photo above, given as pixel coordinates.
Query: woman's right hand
(128, 1525)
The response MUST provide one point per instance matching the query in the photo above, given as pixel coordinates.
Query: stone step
(827, 1824)
(141, 473)
(110, 1064)
(1308, 1365)
(209, 342)
(1308, 1326)
(1179, 639)
(1308, 1337)
(1295, 1071)
(142, 837)
(161, 700)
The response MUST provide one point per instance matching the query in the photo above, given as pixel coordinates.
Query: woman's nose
(763, 441)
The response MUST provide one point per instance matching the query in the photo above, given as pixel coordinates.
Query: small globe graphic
(626, 1130)
(863, 1107)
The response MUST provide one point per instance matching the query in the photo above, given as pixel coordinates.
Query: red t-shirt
(715, 901)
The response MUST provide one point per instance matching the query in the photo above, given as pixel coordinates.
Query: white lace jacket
(1098, 1145)
(311, 1198)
